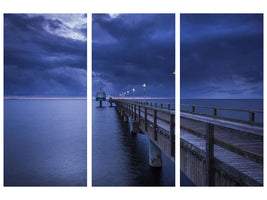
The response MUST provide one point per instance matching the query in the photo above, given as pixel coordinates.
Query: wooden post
(151, 104)
(155, 104)
(145, 118)
(210, 154)
(193, 109)
(161, 105)
(172, 134)
(251, 117)
(139, 114)
(134, 112)
(169, 106)
(155, 126)
(214, 112)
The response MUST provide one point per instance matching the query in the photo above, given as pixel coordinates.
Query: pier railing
(161, 119)
(249, 114)
(213, 163)
(169, 106)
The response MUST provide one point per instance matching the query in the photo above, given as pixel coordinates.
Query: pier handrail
(156, 104)
(167, 111)
(215, 115)
(211, 141)
(135, 111)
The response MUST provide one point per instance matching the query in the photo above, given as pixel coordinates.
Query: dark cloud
(43, 57)
(221, 56)
(133, 49)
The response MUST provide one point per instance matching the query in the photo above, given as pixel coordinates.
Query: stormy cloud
(45, 55)
(131, 49)
(221, 56)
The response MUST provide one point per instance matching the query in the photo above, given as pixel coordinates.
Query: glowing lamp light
(144, 85)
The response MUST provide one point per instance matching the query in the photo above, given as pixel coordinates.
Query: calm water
(246, 104)
(120, 159)
(45, 143)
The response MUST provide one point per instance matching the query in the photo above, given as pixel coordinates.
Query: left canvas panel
(45, 107)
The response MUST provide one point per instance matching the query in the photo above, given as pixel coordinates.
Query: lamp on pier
(144, 86)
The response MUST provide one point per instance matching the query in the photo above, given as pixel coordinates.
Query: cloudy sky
(132, 49)
(221, 56)
(45, 55)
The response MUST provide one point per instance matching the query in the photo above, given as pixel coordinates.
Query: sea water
(45, 143)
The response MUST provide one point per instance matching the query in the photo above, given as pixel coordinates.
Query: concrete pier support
(125, 118)
(155, 159)
(134, 127)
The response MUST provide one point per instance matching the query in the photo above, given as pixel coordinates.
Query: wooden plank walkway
(246, 137)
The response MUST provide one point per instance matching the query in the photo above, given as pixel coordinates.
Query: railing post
(145, 118)
(155, 104)
(134, 112)
(169, 106)
(139, 114)
(209, 154)
(155, 126)
(151, 104)
(161, 105)
(128, 109)
(214, 112)
(193, 109)
(251, 117)
(172, 134)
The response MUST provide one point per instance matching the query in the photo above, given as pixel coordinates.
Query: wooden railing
(168, 106)
(151, 115)
(211, 162)
(250, 113)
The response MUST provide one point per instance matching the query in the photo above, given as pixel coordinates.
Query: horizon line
(25, 97)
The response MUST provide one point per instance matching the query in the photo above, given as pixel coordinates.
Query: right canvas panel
(221, 118)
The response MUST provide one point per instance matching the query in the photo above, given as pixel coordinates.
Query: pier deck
(157, 122)
(235, 151)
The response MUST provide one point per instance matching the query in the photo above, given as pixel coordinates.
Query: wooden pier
(156, 120)
(221, 151)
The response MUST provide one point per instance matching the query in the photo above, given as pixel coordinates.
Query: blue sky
(221, 56)
(45, 55)
(131, 49)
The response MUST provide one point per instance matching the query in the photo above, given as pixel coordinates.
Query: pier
(156, 120)
(218, 150)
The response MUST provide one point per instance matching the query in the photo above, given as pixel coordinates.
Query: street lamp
(133, 91)
(144, 86)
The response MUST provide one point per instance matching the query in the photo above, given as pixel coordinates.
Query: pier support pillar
(155, 159)
(125, 118)
(100, 104)
(134, 127)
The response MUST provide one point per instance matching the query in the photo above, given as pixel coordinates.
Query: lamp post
(133, 91)
(144, 86)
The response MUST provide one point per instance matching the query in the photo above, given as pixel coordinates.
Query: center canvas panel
(133, 109)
